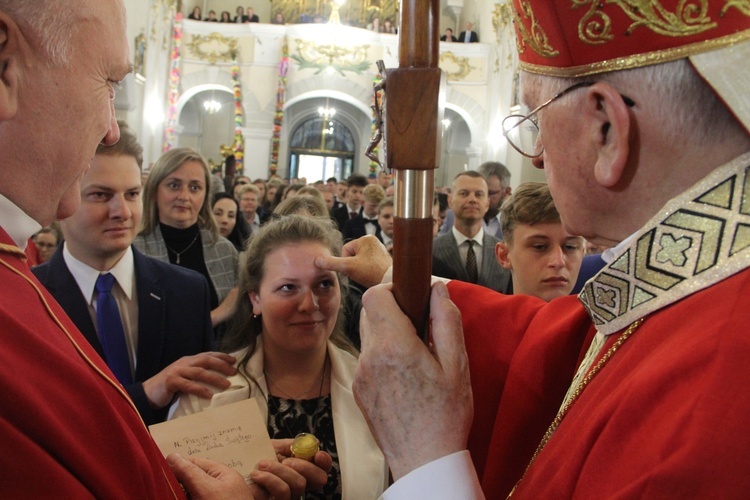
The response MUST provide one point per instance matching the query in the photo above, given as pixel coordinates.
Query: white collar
(17, 223)
(460, 238)
(86, 276)
(609, 254)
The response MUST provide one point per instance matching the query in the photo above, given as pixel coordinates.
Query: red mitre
(573, 38)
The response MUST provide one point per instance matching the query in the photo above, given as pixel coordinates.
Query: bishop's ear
(610, 129)
(9, 66)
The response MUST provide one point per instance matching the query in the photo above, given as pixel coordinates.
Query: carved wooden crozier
(413, 115)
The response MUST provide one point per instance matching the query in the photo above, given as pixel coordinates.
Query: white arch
(468, 109)
(334, 94)
(192, 91)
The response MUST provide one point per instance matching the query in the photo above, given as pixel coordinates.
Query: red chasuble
(523, 354)
(666, 415)
(67, 429)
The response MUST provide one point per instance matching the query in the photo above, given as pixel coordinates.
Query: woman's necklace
(177, 254)
(288, 395)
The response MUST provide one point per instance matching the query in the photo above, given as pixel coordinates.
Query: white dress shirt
(463, 247)
(451, 477)
(124, 294)
(371, 224)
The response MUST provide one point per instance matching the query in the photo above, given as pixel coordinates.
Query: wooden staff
(413, 114)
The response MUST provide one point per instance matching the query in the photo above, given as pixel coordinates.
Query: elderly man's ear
(9, 67)
(610, 126)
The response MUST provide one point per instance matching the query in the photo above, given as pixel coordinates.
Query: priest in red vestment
(638, 388)
(67, 427)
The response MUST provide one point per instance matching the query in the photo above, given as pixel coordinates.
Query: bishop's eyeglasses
(526, 127)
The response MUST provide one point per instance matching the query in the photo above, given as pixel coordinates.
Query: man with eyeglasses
(639, 387)
(497, 176)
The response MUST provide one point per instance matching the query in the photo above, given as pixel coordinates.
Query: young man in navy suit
(164, 309)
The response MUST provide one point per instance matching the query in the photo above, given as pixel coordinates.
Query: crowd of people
(241, 15)
(248, 15)
(161, 298)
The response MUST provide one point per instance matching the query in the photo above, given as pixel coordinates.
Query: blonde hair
(249, 188)
(302, 204)
(374, 193)
(311, 191)
(164, 166)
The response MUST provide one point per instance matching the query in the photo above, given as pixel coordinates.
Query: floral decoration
(239, 118)
(278, 118)
(174, 84)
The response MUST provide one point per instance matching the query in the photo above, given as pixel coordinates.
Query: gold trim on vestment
(638, 60)
(15, 250)
(696, 240)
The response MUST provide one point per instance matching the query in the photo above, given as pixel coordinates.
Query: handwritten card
(234, 435)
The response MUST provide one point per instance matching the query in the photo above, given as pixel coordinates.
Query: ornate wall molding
(456, 67)
(324, 56)
(213, 48)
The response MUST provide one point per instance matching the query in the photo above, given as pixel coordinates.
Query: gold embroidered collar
(698, 239)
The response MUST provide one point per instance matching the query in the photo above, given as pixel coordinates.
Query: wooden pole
(413, 114)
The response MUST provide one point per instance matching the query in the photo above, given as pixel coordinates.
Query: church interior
(295, 99)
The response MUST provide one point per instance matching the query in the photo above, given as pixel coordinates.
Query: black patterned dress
(289, 417)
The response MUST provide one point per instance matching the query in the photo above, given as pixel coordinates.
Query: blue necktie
(111, 331)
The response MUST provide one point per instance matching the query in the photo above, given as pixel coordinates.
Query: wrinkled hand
(206, 480)
(417, 400)
(226, 309)
(290, 477)
(365, 260)
(187, 375)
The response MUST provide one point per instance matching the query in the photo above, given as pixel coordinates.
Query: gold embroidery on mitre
(698, 239)
(638, 60)
(689, 18)
(535, 38)
(741, 5)
(595, 27)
